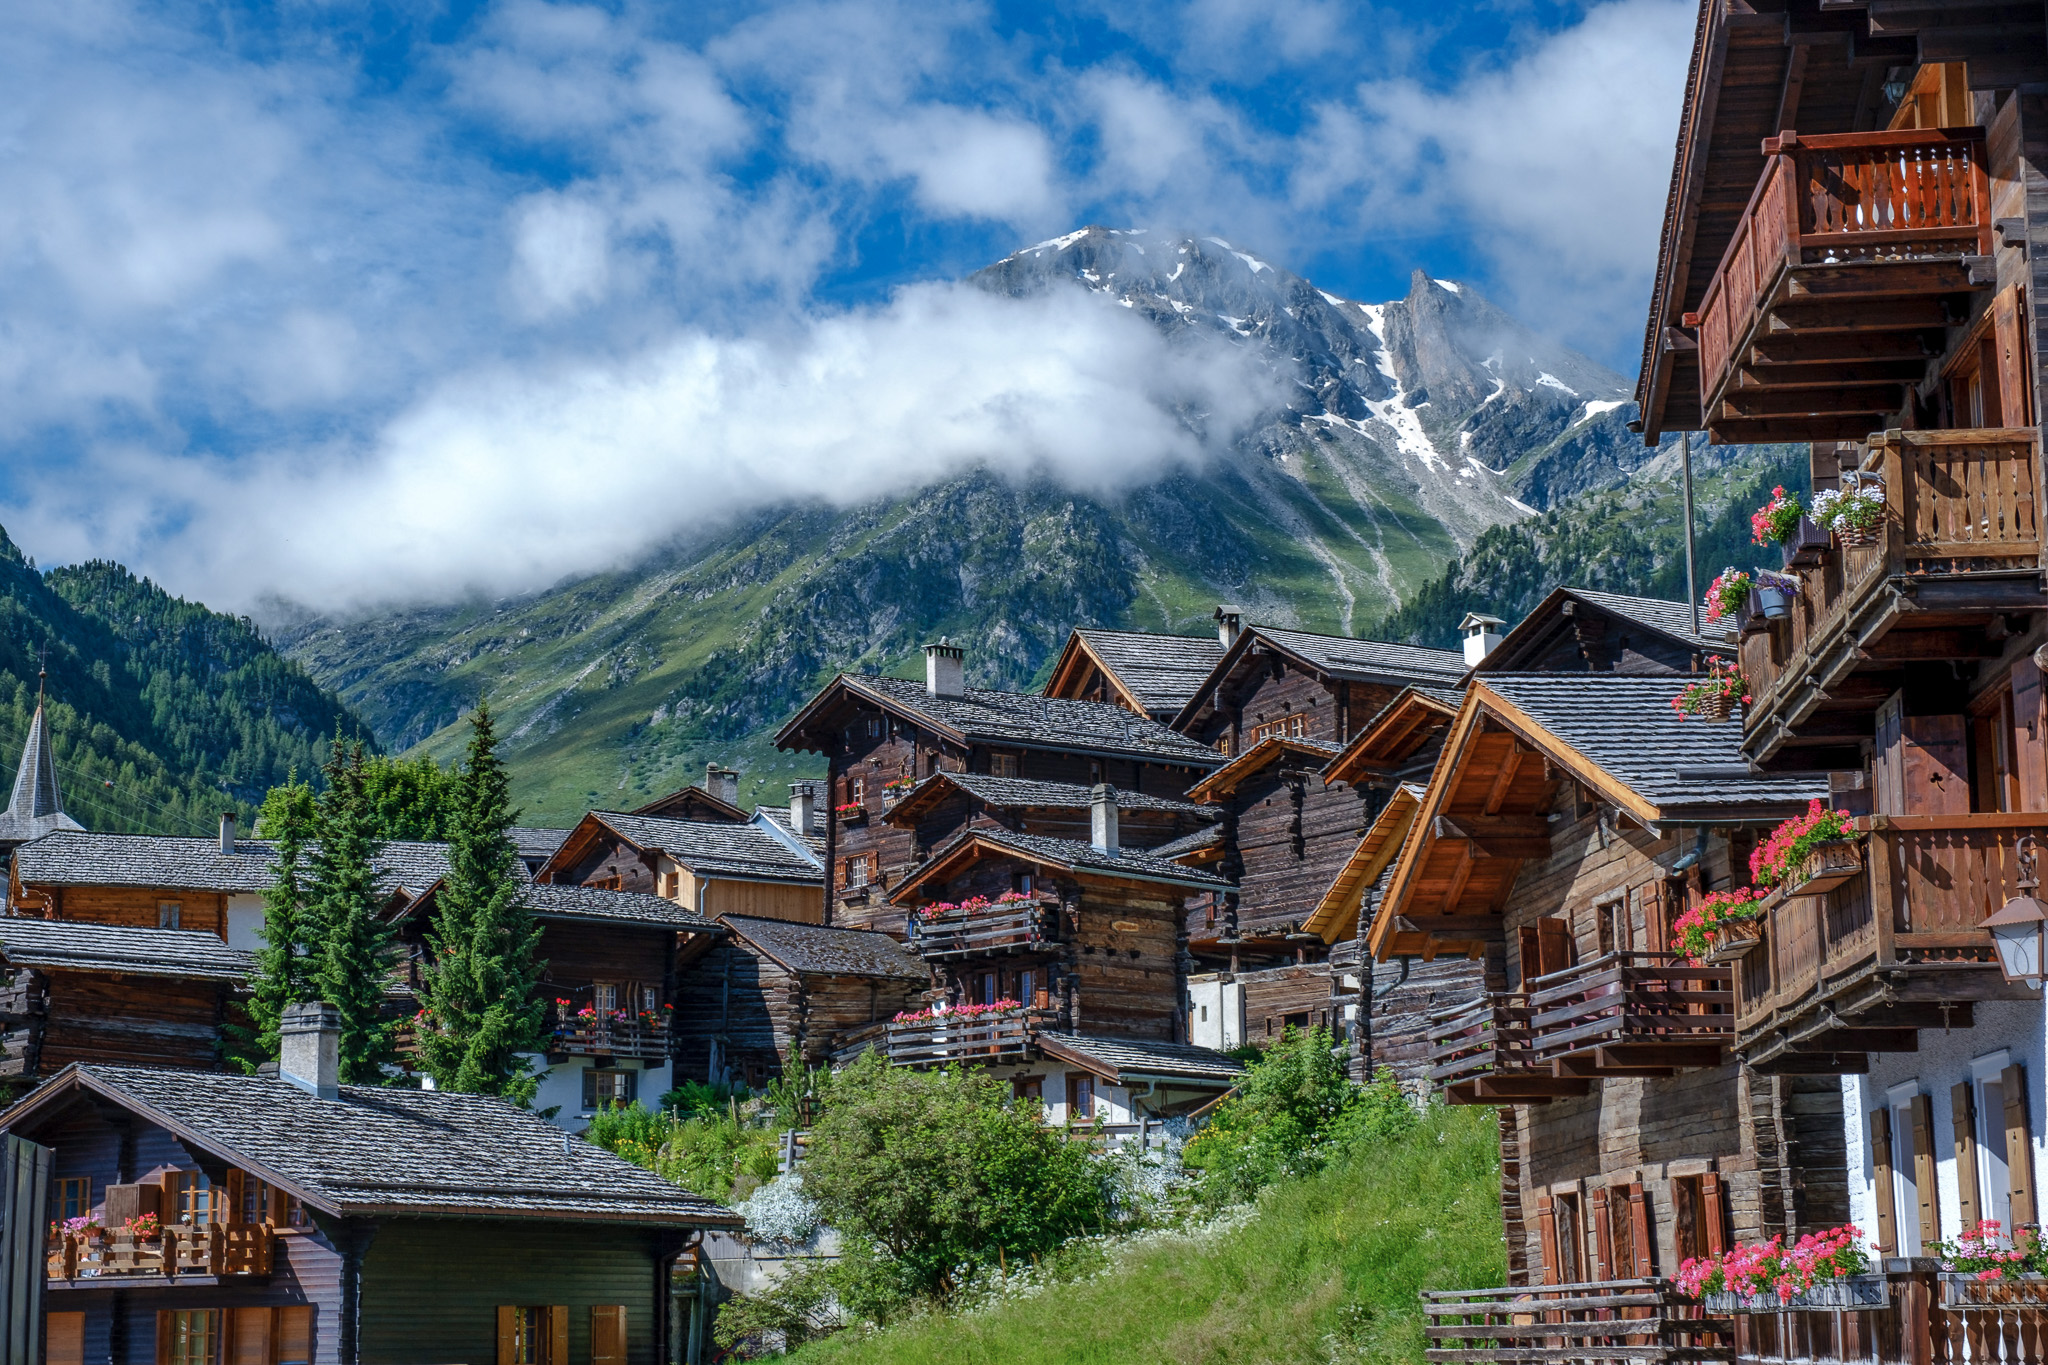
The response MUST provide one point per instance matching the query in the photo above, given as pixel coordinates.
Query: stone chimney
(1482, 633)
(227, 833)
(800, 798)
(723, 783)
(1229, 622)
(1102, 819)
(945, 669)
(310, 1055)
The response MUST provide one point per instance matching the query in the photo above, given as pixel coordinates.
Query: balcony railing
(1962, 525)
(1619, 1320)
(999, 930)
(1898, 947)
(628, 1035)
(1480, 1053)
(1917, 1327)
(1843, 200)
(207, 1249)
(1631, 1014)
(949, 1038)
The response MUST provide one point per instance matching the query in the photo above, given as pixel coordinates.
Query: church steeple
(36, 807)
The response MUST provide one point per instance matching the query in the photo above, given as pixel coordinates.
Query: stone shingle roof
(80, 946)
(1668, 618)
(1162, 671)
(816, 950)
(1201, 839)
(1129, 862)
(1011, 792)
(1625, 726)
(547, 900)
(180, 864)
(1344, 657)
(395, 1152)
(35, 807)
(1138, 1059)
(534, 844)
(1030, 721)
(716, 849)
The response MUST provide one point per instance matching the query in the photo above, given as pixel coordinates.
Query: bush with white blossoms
(1142, 1185)
(780, 1212)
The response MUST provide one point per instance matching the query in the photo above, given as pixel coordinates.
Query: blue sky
(359, 303)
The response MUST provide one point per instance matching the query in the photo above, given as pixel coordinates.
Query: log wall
(134, 906)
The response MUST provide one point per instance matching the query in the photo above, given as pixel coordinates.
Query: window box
(853, 813)
(1849, 1292)
(1749, 617)
(1967, 1291)
(1808, 546)
(1735, 939)
(1827, 867)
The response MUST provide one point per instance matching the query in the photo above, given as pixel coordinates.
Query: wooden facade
(1577, 630)
(711, 867)
(53, 1017)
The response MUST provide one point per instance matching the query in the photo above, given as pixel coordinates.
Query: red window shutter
(1714, 1195)
(1639, 1230)
(1603, 1236)
(1546, 1223)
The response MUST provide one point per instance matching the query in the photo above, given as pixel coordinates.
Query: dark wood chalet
(1581, 630)
(1152, 675)
(772, 988)
(942, 805)
(880, 736)
(84, 992)
(1569, 822)
(35, 806)
(302, 1222)
(1044, 949)
(1400, 743)
(712, 867)
(715, 800)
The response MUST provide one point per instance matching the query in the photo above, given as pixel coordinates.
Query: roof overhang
(1335, 917)
(1403, 726)
(1060, 1050)
(973, 845)
(1227, 778)
(1076, 657)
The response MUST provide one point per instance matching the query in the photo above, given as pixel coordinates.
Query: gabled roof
(569, 903)
(1401, 729)
(1335, 917)
(714, 849)
(35, 807)
(1203, 846)
(1533, 633)
(82, 946)
(1127, 1061)
(1071, 855)
(376, 1151)
(1256, 759)
(76, 858)
(1155, 674)
(1017, 793)
(535, 845)
(1020, 720)
(692, 803)
(816, 950)
(1336, 658)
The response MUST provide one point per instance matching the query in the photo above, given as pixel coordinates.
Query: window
(71, 1198)
(193, 1198)
(167, 914)
(1571, 1239)
(1223, 745)
(988, 989)
(1028, 1088)
(1002, 765)
(648, 999)
(1080, 1097)
(604, 996)
(263, 1202)
(1027, 988)
(533, 1336)
(856, 790)
(1021, 882)
(874, 727)
(610, 1085)
(191, 1337)
(853, 872)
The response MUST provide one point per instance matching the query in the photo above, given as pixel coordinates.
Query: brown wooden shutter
(1937, 765)
(1887, 767)
(1529, 953)
(608, 1334)
(557, 1336)
(163, 1337)
(1553, 944)
(1686, 1242)
(2015, 368)
(1603, 1237)
(295, 1335)
(1881, 1174)
(64, 1338)
(2029, 745)
(2019, 1145)
(1656, 919)
(1926, 1190)
(1639, 1230)
(508, 1334)
(1714, 1195)
(1963, 1108)
(233, 1188)
(248, 1336)
(1546, 1223)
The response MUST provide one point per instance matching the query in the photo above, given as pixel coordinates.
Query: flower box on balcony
(2010, 1291)
(1827, 867)
(853, 813)
(1808, 546)
(1850, 1292)
(1734, 940)
(1749, 617)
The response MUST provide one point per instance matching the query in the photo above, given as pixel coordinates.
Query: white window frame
(1994, 1181)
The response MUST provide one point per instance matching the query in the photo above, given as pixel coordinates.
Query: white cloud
(560, 252)
(969, 164)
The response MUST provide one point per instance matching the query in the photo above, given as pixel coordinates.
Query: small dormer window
(167, 913)
(1002, 765)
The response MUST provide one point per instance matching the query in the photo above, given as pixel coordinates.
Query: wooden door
(1937, 765)
(1553, 944)
(2029, 744)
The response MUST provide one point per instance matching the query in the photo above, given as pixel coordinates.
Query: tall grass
(1327, 1269)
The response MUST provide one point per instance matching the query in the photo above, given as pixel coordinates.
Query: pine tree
(282, 974)
(353, 944)
(484, 1010)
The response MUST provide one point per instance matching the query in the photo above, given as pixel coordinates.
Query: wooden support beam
(1860, 1040)
(1509, 768)
(1452, 926)
(1880, 279)
(1776, 430)
(1908, 646)
(1510, 837)
(1821, 316)
(1876, 401)
(1830, 374)
(1773, 352)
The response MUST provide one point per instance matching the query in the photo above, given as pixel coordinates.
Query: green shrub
(715, 1154)
(693, 1098)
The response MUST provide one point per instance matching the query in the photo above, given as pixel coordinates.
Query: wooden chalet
(1060, 950)
(1581, 630)
(715, 800)
(305, 1222)
(942, 805)
(770, 989)
(1569, 822)
(1399, 744)
(35, 806)
(712, 867)
(1151, 675)
(881, 736)
(612, 961)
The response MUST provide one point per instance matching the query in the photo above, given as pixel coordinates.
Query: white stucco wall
(245, 920)
(561, 1088)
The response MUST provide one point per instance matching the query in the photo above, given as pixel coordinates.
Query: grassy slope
(1327, 1270)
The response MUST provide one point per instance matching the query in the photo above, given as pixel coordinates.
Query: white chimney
(1102, 819)
(227, 833)
(310, 1052)
(800, 808)
(723, 783)
(1229, 622)
(1482, 633)
(945, 669)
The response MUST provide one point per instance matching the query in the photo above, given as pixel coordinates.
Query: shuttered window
(1080, 1096)
(2019, 1146)
(1603, 1236)
(1884, 1186)
(608, 1335)
(249, 1333)
(189, 1337)
(1639, 1232)
(533, 1335)
(1963, 1110)
(1926, 1193)
(64, 1338)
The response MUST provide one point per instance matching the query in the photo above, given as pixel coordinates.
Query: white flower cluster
(780, 1212)
(1835, 510)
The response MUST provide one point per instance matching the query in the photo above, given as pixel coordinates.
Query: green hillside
(164, 713)
(1326, 1270)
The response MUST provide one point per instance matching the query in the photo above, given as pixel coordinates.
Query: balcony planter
(1749, 617)
(1734, 940)
(1808, 546)
(1774, 593)
(852, 814)
(1851, 1292)
(1825, 868)
(2011, 1291)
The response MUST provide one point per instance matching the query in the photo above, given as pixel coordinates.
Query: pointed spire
(35, 782)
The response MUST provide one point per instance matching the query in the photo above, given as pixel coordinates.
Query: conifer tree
(483, 1008)
(282, 973)
(353, 945)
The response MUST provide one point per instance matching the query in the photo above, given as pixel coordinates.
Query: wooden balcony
(1620, 1320)
(1855, 252)
(1960, 550)
(627, 1036)
(1632, 1014)
(998, 931)
(1898, 948)
(1917, 1327)
(207, 1250)
(947, 1039)
(1479, 1053)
